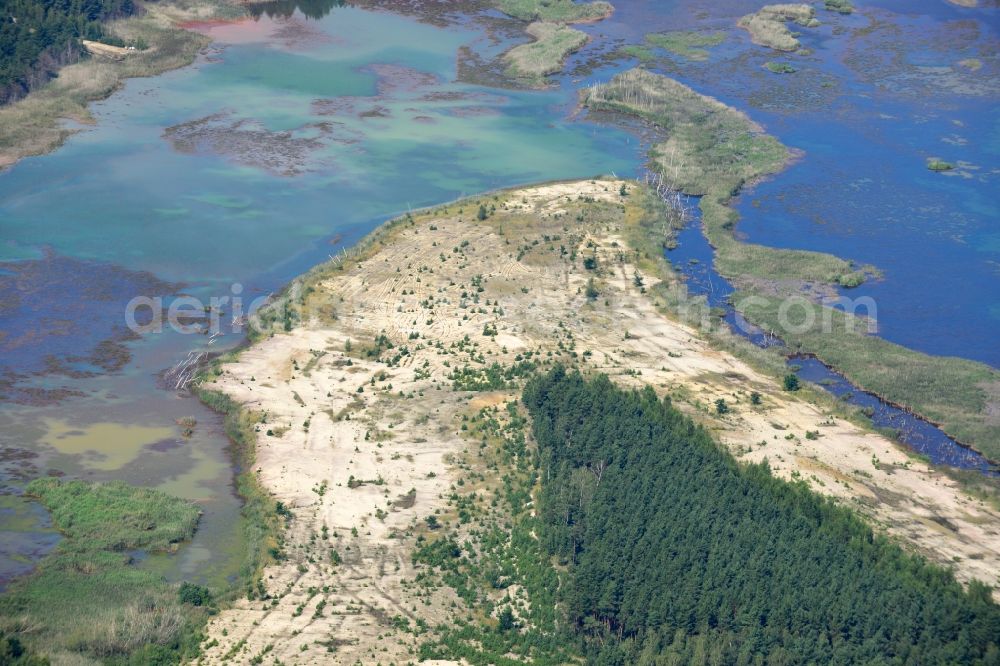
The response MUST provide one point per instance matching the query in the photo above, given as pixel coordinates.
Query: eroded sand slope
(359, 438)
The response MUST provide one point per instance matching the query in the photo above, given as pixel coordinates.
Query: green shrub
(780, 67)
(196, 595)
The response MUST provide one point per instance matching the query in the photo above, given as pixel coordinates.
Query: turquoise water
(288, 140)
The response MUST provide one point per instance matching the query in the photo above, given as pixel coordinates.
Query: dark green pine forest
(678, 554)
(39, 36)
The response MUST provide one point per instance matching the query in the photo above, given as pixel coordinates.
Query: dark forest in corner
(38, 37)
(677, 554)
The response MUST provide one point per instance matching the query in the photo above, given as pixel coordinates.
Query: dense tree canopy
(679, 554)
(38, 35)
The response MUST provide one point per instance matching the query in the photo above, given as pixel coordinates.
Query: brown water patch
(462, 96)
(394, 79)
(103, 446)
(247, 142)
(472, 111)
(376, 111)
(442, 13)
(473, 68)
(17, 464)
(295, 33)
(164, 445)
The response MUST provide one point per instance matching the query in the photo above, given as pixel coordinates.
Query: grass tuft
(935, 164)
(779, 68)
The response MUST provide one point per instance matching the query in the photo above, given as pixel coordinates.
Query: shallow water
(882, 91)
(289, 140)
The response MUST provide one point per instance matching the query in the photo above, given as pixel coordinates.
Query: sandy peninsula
(359, 411)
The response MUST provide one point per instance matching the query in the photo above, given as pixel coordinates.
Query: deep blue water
(692, 258)
(881, 93)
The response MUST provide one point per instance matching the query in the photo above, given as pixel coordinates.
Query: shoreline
(34, 125)
(773, 273)
(347, 389)
(888, 401)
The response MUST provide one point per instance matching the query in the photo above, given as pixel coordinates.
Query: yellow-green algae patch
(103, 446)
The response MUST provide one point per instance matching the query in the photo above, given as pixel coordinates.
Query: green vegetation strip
(262, 522)
(713, 150)
(675, 553)
(501, 563)
(553, 42)
(960, 395)
(87, 596)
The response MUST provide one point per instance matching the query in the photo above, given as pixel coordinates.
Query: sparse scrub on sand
(533, 61)
(442, 310)
(767, 25)
(560, 11)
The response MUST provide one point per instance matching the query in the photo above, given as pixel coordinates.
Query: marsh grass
(639, 52)
(114, 516)
(688, 43)
(560, 11)
(533, 61)
(767, 25)
(713, 150)
(87, 597)
(959, 394)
